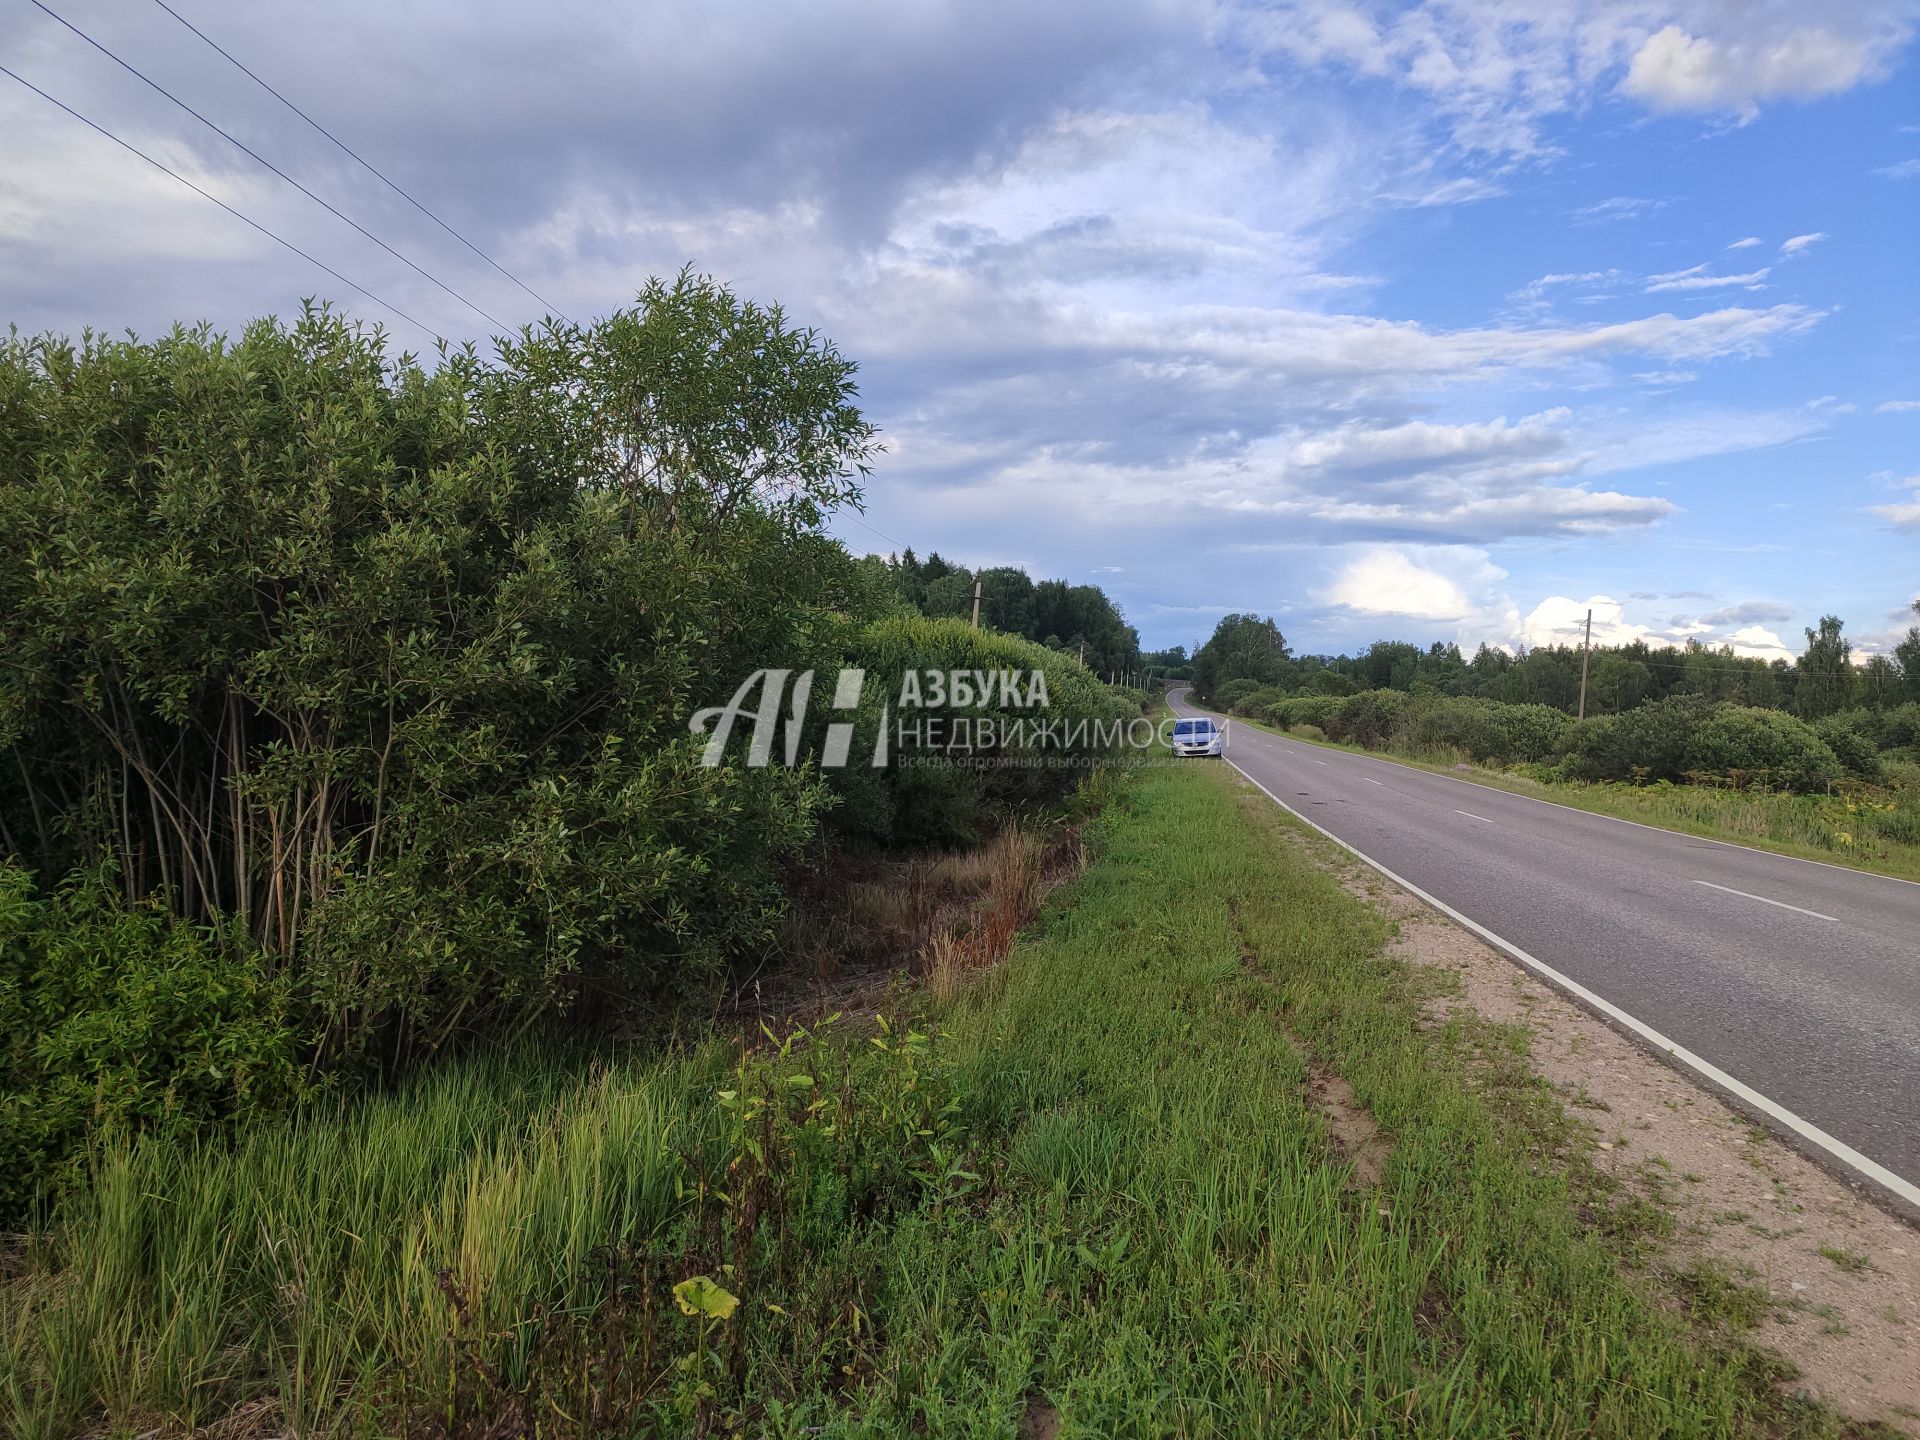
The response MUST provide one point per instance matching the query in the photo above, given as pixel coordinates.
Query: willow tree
(384, 667)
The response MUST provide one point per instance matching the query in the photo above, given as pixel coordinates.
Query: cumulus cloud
(1676, 70)
(1562, 620)
(1758, 642)
(1386, 581)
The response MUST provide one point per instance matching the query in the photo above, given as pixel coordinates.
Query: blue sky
(1441, 321)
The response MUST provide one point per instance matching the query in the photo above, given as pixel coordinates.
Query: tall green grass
(1117, 1207)
(310, 1260)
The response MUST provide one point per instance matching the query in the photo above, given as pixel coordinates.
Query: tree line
(1249, 651)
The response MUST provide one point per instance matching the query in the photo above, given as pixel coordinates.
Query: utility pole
(1585, 650)
(976, 602)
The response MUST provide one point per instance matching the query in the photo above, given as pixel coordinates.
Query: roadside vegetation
(1191, 1160)
(345, 718)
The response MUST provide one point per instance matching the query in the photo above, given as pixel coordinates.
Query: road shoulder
(1759, 1237)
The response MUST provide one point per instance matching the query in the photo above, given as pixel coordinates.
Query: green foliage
(1315, 710)
(1824, 677)
(391, 667)
(1234, 693)
(1254, 701)
(1681, 738)
(1366, 718)
(928, 796)
(1853, 736)
(1483, 729)
(1242, 647)
(1079, 619)
(117, 1018)
(1051, 1198)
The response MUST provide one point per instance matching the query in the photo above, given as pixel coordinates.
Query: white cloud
(1494, 71)
(1562, 620)
(1419, 582)
(1760, 643)
(1746, 244)
(1895, 407)
(1679, 71)
(1904, 170)
(1695, 278)
(1800, 243)
(1905, 514)
(1617, 207)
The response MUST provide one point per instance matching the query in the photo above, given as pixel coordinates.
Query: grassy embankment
(1810, 827)
(1128, 1182)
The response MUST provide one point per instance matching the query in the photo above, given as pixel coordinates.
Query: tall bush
(388, 668)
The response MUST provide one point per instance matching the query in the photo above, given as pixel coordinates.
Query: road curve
(1792, 986)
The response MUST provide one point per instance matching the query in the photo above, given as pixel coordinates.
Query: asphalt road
(1792, 986)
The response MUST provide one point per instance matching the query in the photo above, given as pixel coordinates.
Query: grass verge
(1191, 1161)
(1807, 827)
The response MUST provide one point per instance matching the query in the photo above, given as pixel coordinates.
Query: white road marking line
(1728, 889)
(1705, 1069)
(1471, 816)
(1371, 781)
(1322, 762)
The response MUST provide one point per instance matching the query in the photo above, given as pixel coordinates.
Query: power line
(206, 195)
(262, 160)
(871, 530)
(365, 164)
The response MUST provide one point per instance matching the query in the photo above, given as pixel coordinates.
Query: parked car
(1200, 736)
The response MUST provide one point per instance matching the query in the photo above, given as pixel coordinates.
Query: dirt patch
(1353, 1129)
(1841, 1277)
(1040, 1422)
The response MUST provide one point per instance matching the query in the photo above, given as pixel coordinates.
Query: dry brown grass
(1005, 878)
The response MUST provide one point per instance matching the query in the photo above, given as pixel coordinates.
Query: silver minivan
(1198, 736)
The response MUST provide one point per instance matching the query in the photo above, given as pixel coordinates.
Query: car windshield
(1193, 727)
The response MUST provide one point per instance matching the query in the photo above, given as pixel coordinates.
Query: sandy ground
(1843, 1273)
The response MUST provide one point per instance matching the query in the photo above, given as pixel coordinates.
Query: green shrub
(118, 1018)
(1682, 738)
(1649, 742)
(1315, 710)
(927, 795)
(1852, 735)
(1366, 718)
(1766, 747)
(1255, 703)
(1229, 695)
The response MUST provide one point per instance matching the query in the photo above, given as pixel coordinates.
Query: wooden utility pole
(1585, 650)
(976, 602)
